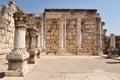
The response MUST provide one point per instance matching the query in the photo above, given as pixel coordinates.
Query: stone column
(62, 37)
(65, 34)
(112, 51)
(17, 58)
(112, 41)
(42, 36)
(79, 35)
(98, 40)
(32, 49)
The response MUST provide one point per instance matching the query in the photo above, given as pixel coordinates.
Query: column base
(17, 62)
(33, 56)
(61, 51)
(112, 53)
(98, 52)
(79, 51)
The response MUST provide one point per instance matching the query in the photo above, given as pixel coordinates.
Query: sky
(108, 9)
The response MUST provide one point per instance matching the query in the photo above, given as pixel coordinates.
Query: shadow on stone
(113, 62)
(2, 74)
(101, 58)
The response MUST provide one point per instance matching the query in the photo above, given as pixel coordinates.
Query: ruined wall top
(70, 10)
(9, 9)
(83, 13)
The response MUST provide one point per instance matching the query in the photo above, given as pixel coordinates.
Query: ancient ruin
(74, 31)
(55, 31)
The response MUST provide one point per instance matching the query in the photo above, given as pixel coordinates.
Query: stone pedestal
(32, 50)
(17, 62)
(112, 51)
(33, 55)
(17, 58)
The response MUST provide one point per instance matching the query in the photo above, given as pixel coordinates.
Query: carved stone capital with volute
(20, 19)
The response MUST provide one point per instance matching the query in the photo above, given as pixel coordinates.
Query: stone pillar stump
(112, 51)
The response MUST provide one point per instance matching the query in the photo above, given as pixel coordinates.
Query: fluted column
(17, 59)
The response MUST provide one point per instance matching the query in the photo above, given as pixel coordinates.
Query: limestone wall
(71, 35)
(7, 28)
(52, 35)
(82, 31)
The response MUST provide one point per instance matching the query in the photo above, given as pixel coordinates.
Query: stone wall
(52, 35)
(71, 35)
(7, 28)
(74, 31)
(77, 31)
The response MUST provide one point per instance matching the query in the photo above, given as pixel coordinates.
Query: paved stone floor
(73, 68)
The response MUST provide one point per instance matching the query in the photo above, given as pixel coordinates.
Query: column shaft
(19, 38)
(79, 33)
(112, 41)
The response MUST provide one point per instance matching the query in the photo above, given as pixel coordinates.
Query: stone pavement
(73, 68)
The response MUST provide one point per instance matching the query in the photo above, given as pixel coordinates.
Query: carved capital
(33, 32)
(20, 18)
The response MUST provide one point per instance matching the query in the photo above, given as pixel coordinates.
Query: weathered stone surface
(7, 28)
(32, 49)
(112, 51)
(87, 40)
(17, 58)
(75, 31)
